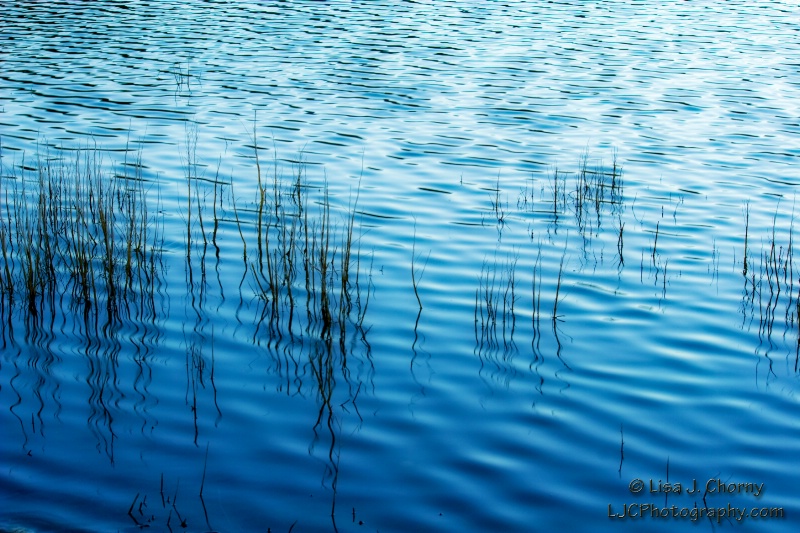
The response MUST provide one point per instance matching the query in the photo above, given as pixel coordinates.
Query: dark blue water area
(570, 267)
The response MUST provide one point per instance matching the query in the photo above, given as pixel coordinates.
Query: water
(455, 132)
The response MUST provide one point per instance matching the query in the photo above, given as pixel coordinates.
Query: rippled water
(573, 241)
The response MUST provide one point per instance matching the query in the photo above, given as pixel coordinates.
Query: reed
(583, 186)
(261, 212)
(746, 236)
(7, 277)
(621, 449)
(323, 264)
(510, 295)
(497, 205)
(414, 279)
(486, 305)
(556, 300)
(346, 258)
(348, 238)
(655, 243)
(238, 221)
(558, 188)
(536, 290)
(190, 163)
(616, 180)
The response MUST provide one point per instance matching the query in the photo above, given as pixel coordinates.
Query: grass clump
(495, 301)
(72, 233)
(304, 257)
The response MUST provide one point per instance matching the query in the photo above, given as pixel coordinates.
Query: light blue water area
(571, 266)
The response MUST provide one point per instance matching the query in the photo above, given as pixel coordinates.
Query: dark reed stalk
(107, 216)
(556, 193)
(290, 257)
(491, 301)
(526, 196)
(191, 167)
(46, 226)
(260, 211)
(200, 207)
(536, 289)
(414, 280)
(205, 467)
(238, 222)
(478, 309)
(363, 309)
(616, 182)
(288, 247)
(7, 283)
(487, 292)
(790, 253)
(746, 235)
(78, 252)
(655, 243)
(130, 511)
(95, 238)
(28, 233)
(497, 205)
(558, 290)
(308, 248)
(621, 449)
(788, 272)
(510, 297)
(323, 263)
(348, 237)
(600, 185)
(217, 198)
(582, 186)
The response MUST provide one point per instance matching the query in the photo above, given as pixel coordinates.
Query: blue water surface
(572, 267)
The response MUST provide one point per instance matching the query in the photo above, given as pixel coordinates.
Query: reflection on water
(319, 265)
(87, 281)
(768, 274)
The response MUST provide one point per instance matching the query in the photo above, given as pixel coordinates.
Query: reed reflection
(81, 266)
(769, 294)
(305, 259)
(83, 279)
(495, 306)
(597, 193)
(304, 280)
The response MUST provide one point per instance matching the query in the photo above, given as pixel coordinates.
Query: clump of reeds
(303, 254)
(597, 188)
(495, 302)
(768, 276)
(71, 228)
(300, 247)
